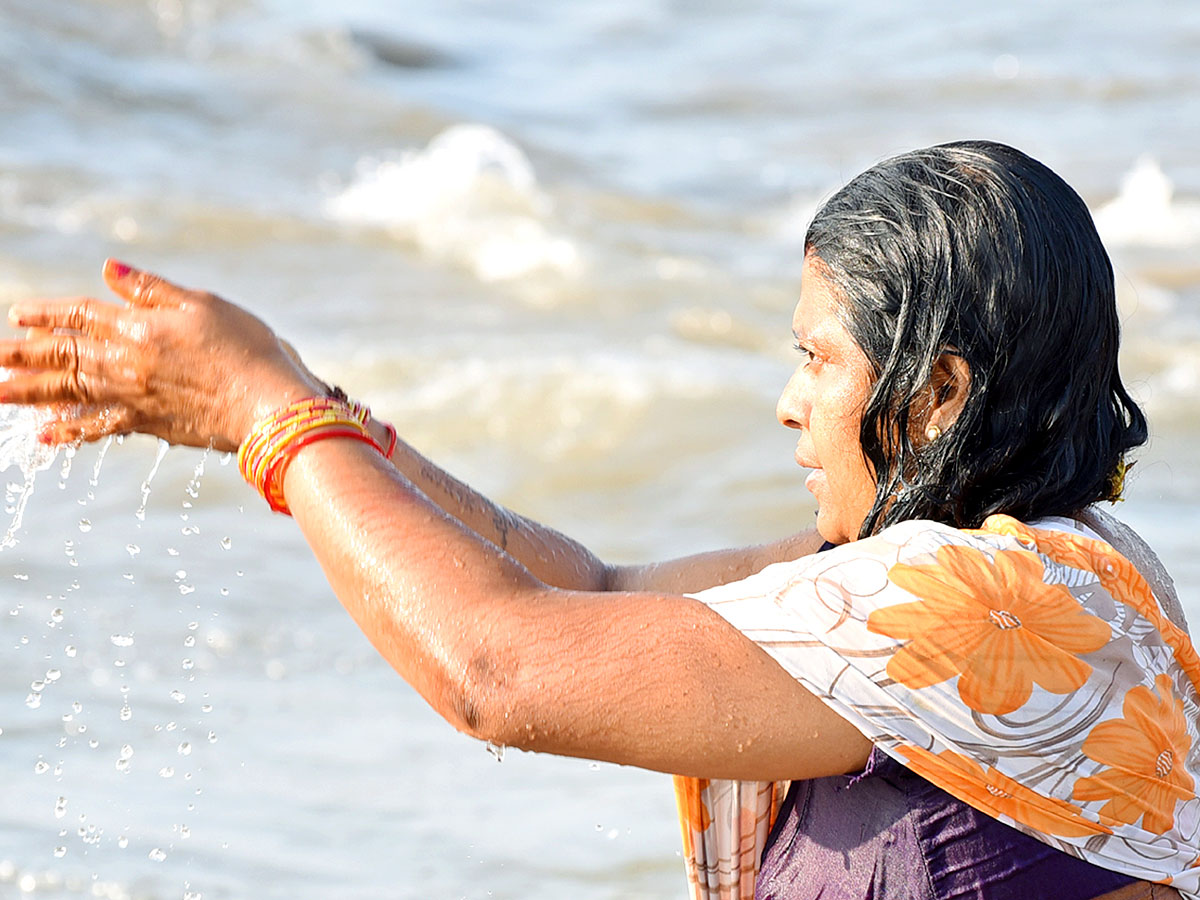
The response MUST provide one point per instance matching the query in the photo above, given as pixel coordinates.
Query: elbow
(484, 702)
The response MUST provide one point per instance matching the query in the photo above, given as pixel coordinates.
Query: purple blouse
(888, 834)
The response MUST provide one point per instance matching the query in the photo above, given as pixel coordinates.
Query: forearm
(559, 561)
(689, 574)
(550, 556)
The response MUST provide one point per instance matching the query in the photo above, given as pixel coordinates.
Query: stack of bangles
(274, 441)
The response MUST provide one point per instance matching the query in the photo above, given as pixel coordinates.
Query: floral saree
(1029, 671)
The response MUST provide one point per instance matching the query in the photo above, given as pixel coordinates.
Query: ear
(949, 385)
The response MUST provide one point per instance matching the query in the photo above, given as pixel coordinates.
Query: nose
(791, 410)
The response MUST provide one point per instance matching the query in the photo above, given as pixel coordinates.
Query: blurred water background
(557, 244)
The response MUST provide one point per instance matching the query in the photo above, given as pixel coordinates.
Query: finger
(90, 424)
(85, 315)
(141, 288)
(64, 352)
(70, 384)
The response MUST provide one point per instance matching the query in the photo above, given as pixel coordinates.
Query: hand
(185, 366)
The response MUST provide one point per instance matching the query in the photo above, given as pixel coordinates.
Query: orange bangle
(274, 441)
(273, 481)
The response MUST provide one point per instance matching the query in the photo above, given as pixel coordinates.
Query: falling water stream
(96, 722)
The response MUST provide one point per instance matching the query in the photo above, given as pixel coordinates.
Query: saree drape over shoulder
(1027, 670)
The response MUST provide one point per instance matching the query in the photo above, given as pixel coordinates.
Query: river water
(558, 245)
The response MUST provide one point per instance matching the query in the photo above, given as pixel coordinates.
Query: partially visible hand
(183, 365)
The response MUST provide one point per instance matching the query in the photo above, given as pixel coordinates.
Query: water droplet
(77, 706)
(189, 641)
(126, 713)
(212, 737)
(126, 751)
(53, 675)
(192, 895)
(41, 767)
(495, 750)
(186, 589)
(70, 650)
(187, 664)
(93, 743)
(37, 686)
(122, 640)
(171, 551)
(178, 696)
(166, 772)
(133, 549)
(185, 832)
(33, 701)
(60, 807)
(85, 525)
(157, 854)
(56, 616)
(60, 852)
(207, 708)
(21, 576)
(185, 749)
(122, 842)
(226, 543)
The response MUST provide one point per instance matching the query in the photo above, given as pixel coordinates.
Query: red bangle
(273, 480)
(393, 439)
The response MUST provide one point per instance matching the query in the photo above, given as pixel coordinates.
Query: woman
(980, 654)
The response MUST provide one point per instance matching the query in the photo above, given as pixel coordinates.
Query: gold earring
(932, 433)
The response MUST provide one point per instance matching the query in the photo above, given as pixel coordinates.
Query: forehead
(817, 314)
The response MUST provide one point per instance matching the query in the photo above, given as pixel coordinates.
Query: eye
(807, 356)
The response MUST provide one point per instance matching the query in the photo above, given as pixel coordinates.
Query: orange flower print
(994, 793)
(1145, 753)
(693, 811)
(994, 623)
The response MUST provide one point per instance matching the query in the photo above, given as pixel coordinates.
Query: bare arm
(559, 561)
(648, 678)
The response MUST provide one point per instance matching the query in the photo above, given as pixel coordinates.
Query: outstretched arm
(648, 678)
(557, 560)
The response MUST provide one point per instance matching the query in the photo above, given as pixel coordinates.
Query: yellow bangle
(267, 451)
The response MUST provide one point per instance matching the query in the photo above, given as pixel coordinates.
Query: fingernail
(117, 270)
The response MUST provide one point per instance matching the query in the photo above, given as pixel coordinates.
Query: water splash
(163, 447)
(20, 447)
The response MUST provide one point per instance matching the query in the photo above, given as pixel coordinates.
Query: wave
(1145, 212)
(470, 197)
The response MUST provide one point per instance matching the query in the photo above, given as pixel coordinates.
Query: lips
(803, 461)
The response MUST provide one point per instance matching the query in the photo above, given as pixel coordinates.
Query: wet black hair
(975, 249)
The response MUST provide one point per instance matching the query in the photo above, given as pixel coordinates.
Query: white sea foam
(470, 197)
(1145, 212)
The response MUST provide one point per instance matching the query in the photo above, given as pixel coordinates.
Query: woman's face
(824, 401)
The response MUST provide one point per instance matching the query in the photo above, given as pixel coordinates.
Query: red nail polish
(117, 270)
(46, 437)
